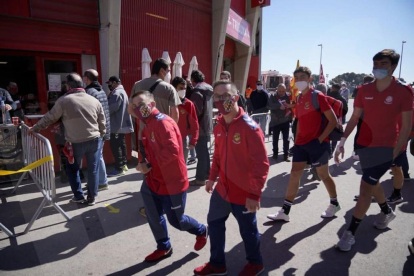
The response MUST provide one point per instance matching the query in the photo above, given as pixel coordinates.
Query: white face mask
(181, 93)
(167, 77)
(260, 87)
(301, 85)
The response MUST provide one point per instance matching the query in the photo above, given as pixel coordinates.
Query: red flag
(321, 77)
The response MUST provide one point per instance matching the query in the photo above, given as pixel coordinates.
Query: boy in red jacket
(164, 189)
(240, 161)
(187, 122)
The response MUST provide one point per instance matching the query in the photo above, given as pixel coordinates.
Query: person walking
(379, 143)
(164, 189)
(240, 165)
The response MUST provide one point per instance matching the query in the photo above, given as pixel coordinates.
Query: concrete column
(244, 53)
(110, 38)
(221, 10)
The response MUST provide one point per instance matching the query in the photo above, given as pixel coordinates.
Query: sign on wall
(238, 28)
(260, 3)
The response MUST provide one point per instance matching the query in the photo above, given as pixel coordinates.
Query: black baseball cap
(113, 79)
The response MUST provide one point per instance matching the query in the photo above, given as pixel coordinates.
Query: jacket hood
(95, 85)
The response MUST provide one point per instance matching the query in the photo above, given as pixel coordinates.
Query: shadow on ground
(98, 224)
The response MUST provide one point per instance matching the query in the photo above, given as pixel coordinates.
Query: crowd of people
(175, 119)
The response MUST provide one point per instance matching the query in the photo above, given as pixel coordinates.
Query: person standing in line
(202, 99)
(345, 94)
(381, 102)
(164, 189)
(281, 116)
(94, 88)
(188, 123)
(84, 121)
(240, 165)
(121, 124)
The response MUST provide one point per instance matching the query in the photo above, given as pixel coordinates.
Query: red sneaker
(252, 270)
(159, 255)
(201, 240)
(207, 269)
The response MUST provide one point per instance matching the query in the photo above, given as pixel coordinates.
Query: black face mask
(110, 87)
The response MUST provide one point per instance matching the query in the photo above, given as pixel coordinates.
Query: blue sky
(351, 32)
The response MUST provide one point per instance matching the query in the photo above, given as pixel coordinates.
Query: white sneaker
(411, 246)
(279, 216)
(346, 242)
(331, 211)
(383, 220)
(355, 157)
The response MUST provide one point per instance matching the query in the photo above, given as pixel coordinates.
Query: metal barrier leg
(36, 215)
(18, 182)
(6, 230)
(60, 210)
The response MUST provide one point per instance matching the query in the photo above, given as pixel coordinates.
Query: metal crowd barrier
(36, 147)
(263, 120)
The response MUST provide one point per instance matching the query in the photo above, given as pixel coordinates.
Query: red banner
(260, 3)
(321, 77)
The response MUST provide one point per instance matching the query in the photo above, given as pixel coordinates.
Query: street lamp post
(320, 62)
(402, 49)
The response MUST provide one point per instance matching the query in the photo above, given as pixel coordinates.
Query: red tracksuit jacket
(240, 159)
(163, 147)
(188, 122)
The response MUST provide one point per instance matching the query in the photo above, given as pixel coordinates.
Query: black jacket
(338, 96)
(95, 90)
(203, 102)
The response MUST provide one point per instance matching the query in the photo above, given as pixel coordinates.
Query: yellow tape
(29, 167)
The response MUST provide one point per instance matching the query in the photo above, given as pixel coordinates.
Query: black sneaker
(286, 158)
(274, 156)
(91, 201)
(75, 200)
(393, 198)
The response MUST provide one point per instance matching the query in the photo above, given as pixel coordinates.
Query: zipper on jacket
(225, 166)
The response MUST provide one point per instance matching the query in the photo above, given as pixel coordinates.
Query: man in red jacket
(164, 189)
(240, 161)
(187, 122)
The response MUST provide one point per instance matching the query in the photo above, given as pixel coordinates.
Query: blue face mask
(380, 73)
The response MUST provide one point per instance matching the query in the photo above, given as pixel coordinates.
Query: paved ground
(99, 241)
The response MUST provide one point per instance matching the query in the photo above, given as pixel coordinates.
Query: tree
(351, 79)
(315, 79)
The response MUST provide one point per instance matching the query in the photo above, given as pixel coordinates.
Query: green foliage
(351, 79)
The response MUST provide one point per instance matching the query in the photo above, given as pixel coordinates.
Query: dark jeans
(91, 150)
(203, 156)
(218, 213)
(284, 128)
(118, 148)
(173, 206)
